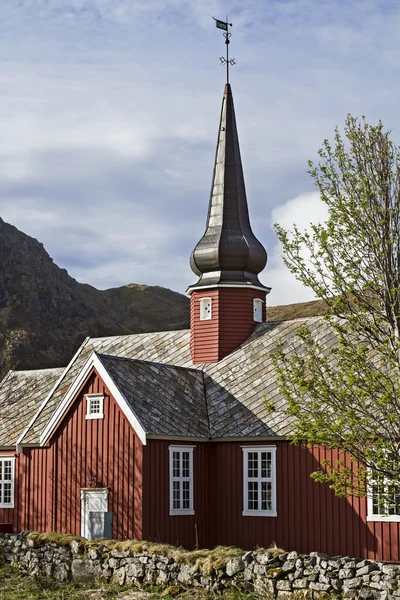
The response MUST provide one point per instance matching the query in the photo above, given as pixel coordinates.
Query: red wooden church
(166, 436)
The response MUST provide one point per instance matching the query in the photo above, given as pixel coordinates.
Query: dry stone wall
(285, 576)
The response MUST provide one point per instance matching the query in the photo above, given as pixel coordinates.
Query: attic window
(95, 406)
(7, 482)
(205, 309)
(257, 310)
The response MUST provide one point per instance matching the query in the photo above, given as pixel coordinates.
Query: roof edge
(93, 362)
(53, 389)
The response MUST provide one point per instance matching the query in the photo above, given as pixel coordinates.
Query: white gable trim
(93, 362)
(53, 389)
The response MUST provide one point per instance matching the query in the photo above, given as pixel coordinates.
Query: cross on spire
(225, 61)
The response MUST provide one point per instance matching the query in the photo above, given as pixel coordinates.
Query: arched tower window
(257, 310)
(205, 309)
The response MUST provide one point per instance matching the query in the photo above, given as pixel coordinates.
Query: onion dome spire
(228, 252)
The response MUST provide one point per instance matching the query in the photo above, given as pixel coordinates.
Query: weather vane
(225, 61)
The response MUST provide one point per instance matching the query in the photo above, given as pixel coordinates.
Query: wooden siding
(82, 453)
(103, 453)
(204, 334)
(231, 324)
(30, 493)
(107, 453)
(310, 517)
(180, 530)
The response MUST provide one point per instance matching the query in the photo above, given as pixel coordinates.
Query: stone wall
(283, 576)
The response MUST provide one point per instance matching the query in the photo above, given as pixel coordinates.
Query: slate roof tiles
(168, 394)
(21, 392)
(167, 400)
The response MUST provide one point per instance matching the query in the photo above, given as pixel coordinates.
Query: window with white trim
(181, 480)
(259, 481)
(205, 309)
(383, 501)
(94, 406)
(7, 469)
(257, 310)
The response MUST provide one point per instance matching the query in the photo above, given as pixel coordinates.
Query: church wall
(204, 345)
(310, 516)
(107, 453)
(81, 454)
(97, 453)
(236, 317)
(31, 506)
(231, 324)
(158, 525)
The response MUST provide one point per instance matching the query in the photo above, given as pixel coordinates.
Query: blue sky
(109, 114)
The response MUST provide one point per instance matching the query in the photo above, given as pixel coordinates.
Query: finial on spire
(225, 61)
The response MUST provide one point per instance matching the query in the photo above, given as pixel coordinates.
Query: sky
(109, 117)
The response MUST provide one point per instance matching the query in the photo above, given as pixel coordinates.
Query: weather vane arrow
(225, 61)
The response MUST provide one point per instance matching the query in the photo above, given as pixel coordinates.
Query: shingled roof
(167, 347)
(166, 400)
(222, 400)
(21, 392)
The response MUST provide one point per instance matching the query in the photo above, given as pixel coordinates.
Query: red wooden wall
(105, 451)
(231, 324)
(310, 517)
(157, 524)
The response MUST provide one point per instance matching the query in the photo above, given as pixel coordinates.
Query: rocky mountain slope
(45, 314)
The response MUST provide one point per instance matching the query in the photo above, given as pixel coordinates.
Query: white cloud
(301, 211)
(110, 111)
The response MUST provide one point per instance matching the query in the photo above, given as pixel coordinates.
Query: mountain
(45, 314)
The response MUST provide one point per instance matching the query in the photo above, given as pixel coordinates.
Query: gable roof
(168, 400)
(168, 347)
(21, 392)
(165, 392)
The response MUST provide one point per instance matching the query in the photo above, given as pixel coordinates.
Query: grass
(15, 585)
(204, 560)
(273, 550)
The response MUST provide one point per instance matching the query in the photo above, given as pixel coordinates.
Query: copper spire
(228, 252)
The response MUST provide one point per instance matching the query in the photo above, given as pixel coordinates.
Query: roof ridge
(147, 362)
(127, 335)
(47, 369)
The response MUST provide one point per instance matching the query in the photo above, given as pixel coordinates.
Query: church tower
(228, 299)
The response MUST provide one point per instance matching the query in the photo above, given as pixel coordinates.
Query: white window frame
(259, 513)
(2, 481)
(180, 511)
(258, 302)
(203, 315)
(97, 415)
(370, 508)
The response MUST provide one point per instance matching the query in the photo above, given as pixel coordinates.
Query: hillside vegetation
(45, 314)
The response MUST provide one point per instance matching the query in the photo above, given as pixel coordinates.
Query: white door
(94, 507)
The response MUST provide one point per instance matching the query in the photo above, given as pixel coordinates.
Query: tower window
(257, 310)
(205, 309)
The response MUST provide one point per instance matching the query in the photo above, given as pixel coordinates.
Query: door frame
(85, 492)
